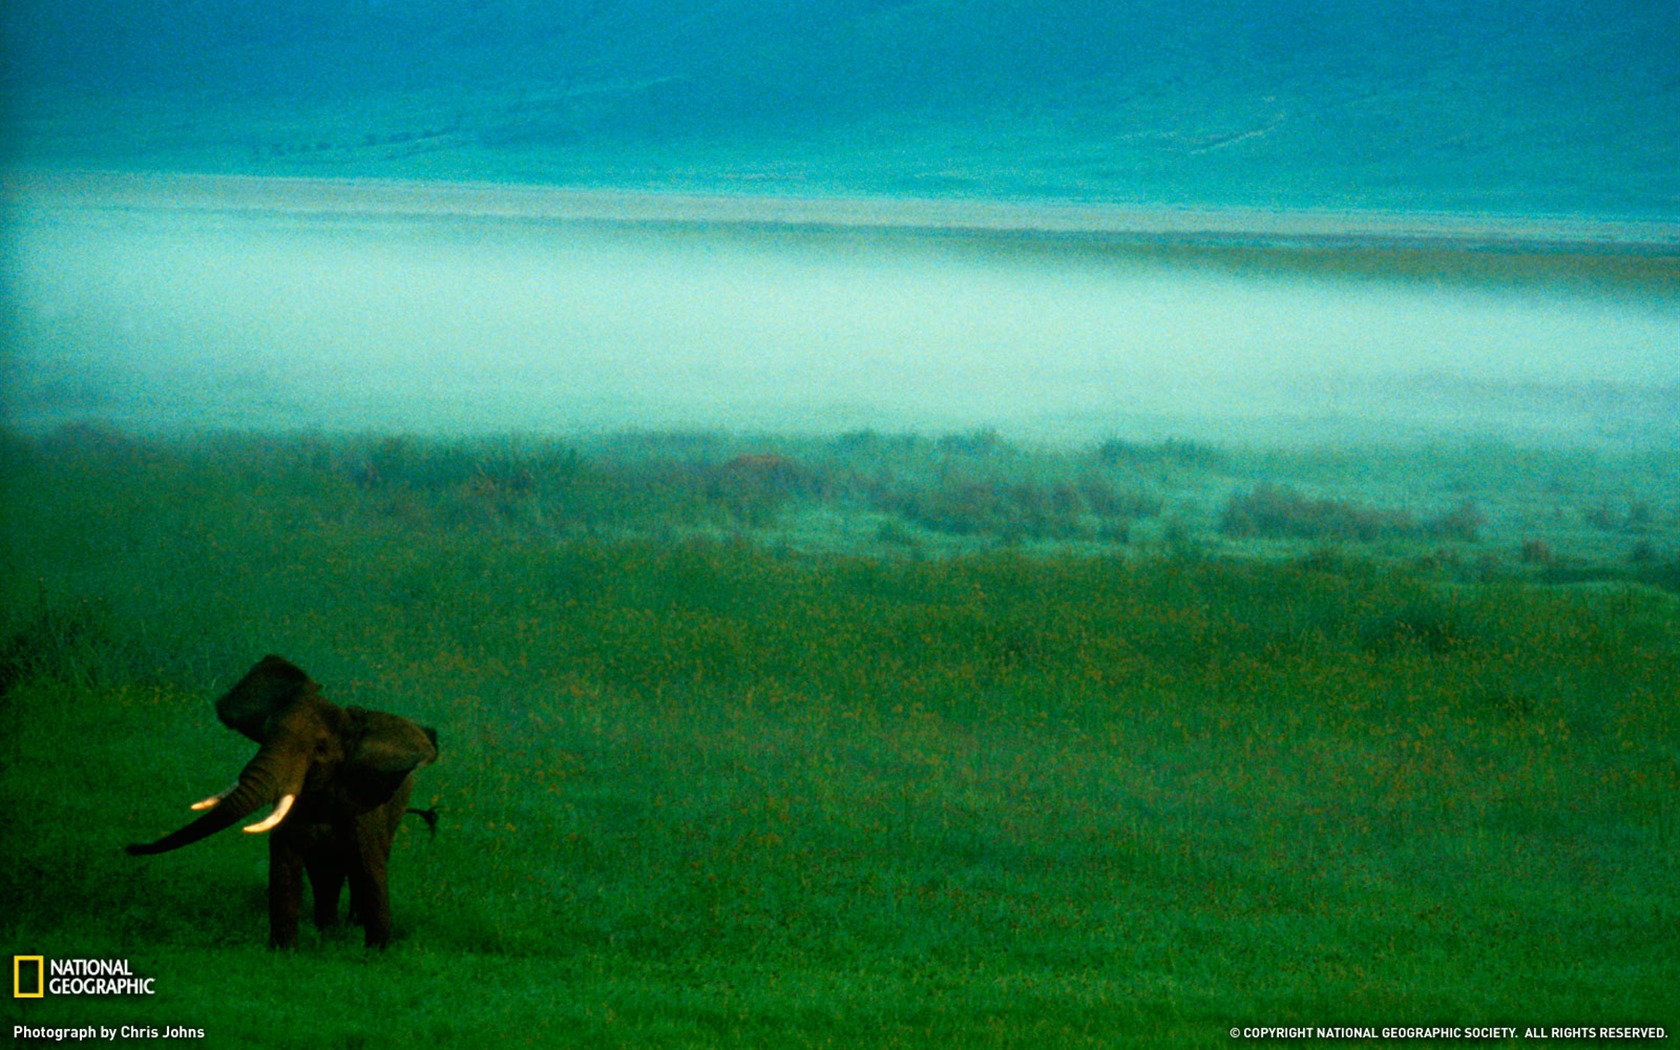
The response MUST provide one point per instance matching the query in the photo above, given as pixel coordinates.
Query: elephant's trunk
(262, 781)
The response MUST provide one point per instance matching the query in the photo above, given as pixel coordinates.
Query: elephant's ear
(387, 744)
(273, 684)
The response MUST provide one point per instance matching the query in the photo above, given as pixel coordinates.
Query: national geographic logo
(36, 977)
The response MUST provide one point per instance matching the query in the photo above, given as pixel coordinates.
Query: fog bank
(160, 319)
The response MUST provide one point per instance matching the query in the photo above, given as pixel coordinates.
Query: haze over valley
(158, 315)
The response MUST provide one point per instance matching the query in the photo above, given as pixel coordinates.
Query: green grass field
(865, 741)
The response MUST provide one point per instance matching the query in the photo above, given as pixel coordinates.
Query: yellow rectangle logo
(40, 962)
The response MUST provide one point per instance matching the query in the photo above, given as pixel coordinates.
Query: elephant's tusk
(274, 818)
(213, 799)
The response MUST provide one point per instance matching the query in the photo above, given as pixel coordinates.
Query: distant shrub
(1636, 518)
(1114, 532)
(1441, 559)
(1487, 569)
(752, 488)
(436, 465)
(1011, 500)
(1278, 512)
(1604, 517)
(982, 442)
(1105, 501)
(871, 442)
(1537, 552)
(1463, 522)
(1331, 560)
(769, 470)
(1012, 510)
(893, 533)
(855, 441)
(1173, 451)
(1664, 574)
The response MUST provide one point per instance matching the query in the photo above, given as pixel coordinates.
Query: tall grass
(702, 790)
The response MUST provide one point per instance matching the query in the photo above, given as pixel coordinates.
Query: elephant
(339, 779)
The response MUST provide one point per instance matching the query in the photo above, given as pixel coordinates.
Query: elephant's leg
(326, 879)
(370, 900)
(285, 893)
(369, 895)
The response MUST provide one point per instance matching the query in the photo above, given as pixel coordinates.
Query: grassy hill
(705, 785)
